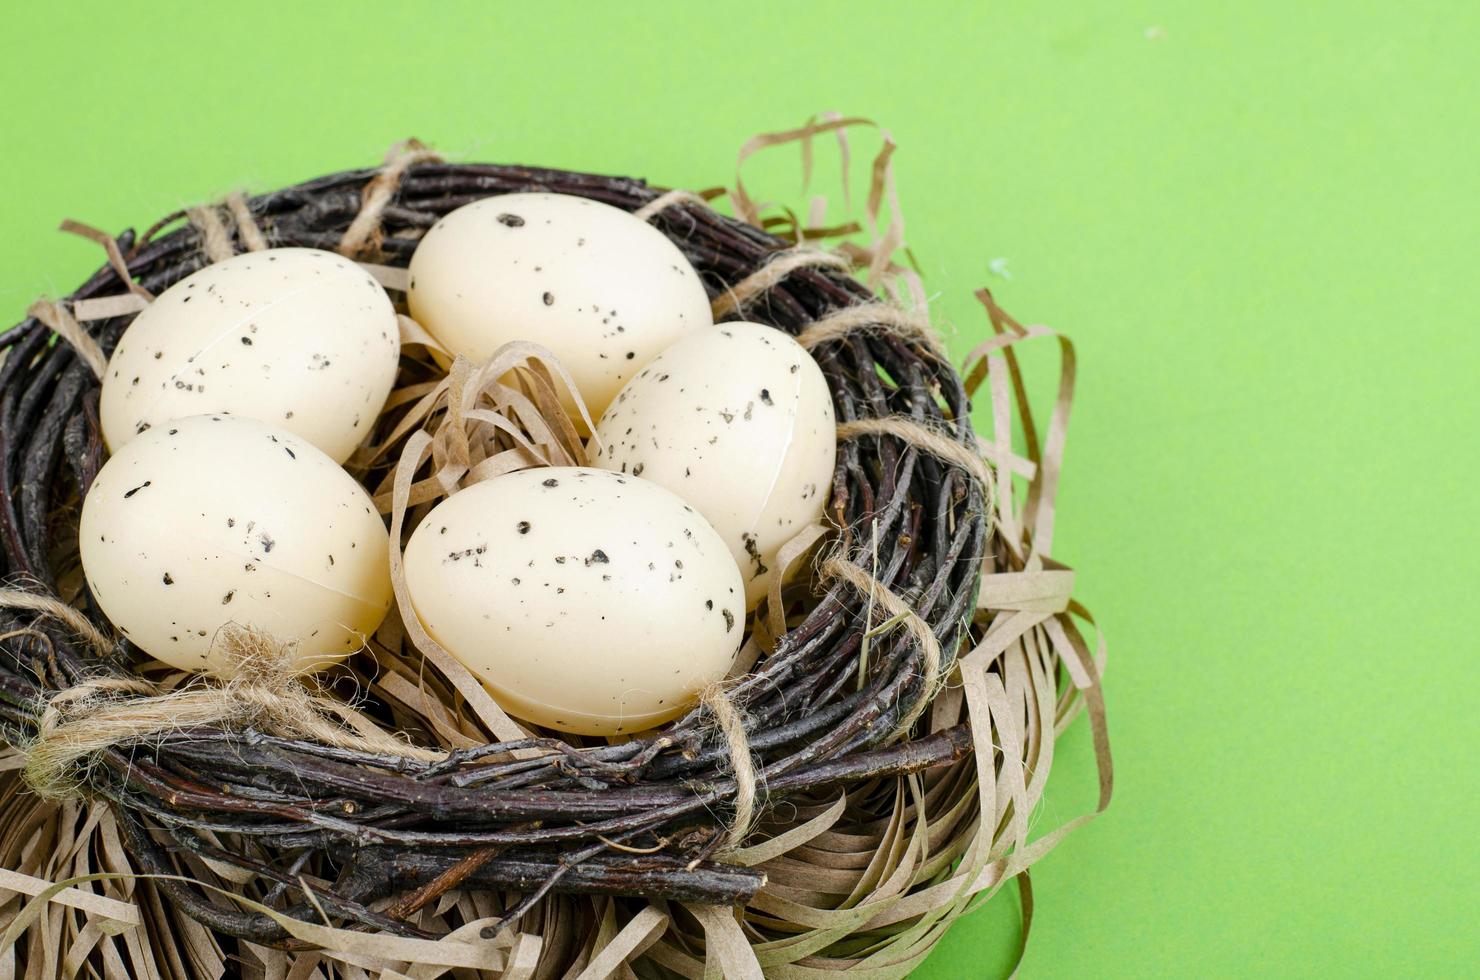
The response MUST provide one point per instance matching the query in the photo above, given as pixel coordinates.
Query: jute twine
(937, 444)
(263, 691)
(876, 316)
(667, 200)
(363, 234)
(737, 744)
(215, 237)
(252, 237)
(781, 265)
(68, 615)
(931, 656)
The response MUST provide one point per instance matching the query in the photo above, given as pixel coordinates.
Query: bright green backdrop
(1259, 220)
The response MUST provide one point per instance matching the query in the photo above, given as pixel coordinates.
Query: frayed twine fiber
(732, 726)
(264, 691)
(930, 652)
(363, 233)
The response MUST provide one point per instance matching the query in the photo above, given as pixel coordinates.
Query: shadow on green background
(1261, 224)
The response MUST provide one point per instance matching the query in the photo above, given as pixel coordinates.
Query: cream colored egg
(217, 519)
(601, 289)
(303, 339)
(738, 421)
(587, 601)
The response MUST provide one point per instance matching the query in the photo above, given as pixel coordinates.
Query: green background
(1258, 221)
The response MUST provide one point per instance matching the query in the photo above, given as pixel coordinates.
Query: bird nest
(867, 779)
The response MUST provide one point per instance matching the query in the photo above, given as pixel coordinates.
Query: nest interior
(645, 817)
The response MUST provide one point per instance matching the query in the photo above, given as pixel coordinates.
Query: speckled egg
(300, 338)
(603, 290)
(219, 519)
(738, 421)
(587, 601)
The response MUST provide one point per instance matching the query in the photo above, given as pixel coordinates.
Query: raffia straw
(737, 744)
(364, 231)
(781, 265)
(108, 307)
(263, 690)
(115, 254)
(877, 257)
(65, 326)
(215, 243)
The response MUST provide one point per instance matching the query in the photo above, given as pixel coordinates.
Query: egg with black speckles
(301, 338)
(213, 520)
(738, 421)
(586, 601)
(603, 290)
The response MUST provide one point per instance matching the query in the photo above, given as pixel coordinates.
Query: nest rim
(933, 516)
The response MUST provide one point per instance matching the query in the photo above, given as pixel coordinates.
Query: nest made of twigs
(375, 840)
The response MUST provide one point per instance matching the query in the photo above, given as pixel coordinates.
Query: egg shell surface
(601, 289)
(297, 337)
(738, 421)
(587, 601)
(218, 519)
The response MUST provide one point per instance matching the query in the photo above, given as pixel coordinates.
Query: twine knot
(263, 688)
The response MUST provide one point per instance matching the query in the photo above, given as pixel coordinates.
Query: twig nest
(215, 520)
(297, 337)
(738, 421)
(603, 290)
(587, 601)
